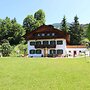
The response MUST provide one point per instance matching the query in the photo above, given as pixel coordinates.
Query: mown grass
(44, 73)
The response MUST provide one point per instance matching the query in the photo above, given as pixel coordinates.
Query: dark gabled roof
(46, 29)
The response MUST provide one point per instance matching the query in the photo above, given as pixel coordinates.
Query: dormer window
(53, 34)
(48, 34)
(43, 34)
(38, 35)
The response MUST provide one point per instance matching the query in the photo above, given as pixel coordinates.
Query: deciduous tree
(40, 16)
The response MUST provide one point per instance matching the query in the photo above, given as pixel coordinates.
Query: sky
(54, 9)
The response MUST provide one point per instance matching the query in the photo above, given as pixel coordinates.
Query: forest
(12, 42)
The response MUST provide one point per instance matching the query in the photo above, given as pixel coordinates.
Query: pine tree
(76, 32)
(64, 26)
(88, 32)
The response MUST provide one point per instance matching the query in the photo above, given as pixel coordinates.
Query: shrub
(6, 49)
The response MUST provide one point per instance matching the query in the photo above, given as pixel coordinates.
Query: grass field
(44, 74)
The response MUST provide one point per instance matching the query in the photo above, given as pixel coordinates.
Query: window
(43, 34)
(59, 42)
(52, 42)
(52, 51)
(45, 42)
(32, 51)
(79, 51)
(59, 51)
(69, 51)
(38, 51)
(38, 34)
(48, 34)
(53, 34)
(38, 42)
(32, 43)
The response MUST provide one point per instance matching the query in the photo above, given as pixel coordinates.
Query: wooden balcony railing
(45, 46)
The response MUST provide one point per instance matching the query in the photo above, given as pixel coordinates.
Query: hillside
(58, 25)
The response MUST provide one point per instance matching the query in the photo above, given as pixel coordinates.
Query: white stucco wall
(78, 51)
(33, 47)
(63, 47)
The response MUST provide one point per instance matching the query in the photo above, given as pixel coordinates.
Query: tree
(64, 26)
(10, 30)
(29, 23)
(76, 32)
(6, 49)
(5, 27)
(88, 32)
(13, 21)
(16, 33)
(1, 29)
(40, 16)
(32, 22)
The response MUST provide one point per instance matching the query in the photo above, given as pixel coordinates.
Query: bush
(19, 50)
(6, 49)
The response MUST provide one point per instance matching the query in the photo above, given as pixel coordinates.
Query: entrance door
(74, 53)
(45, 52)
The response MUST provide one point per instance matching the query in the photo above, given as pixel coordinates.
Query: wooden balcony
(45, 46)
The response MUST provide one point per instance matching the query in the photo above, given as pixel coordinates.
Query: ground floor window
(69, 51)
(38, 51)
(59, 51)
(79, 51)
(52, 51)
(32, 51)
(35, 51)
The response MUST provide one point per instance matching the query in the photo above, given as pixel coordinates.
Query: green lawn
(44, 74)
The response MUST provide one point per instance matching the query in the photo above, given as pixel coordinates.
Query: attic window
(38, 34)
(53, 34)
(48, 34)
(43, 34)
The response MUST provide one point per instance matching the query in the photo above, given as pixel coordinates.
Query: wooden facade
(46, 30)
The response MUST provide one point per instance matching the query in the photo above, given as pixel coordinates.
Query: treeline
(11, 32)
(75, 30)
(79, 33)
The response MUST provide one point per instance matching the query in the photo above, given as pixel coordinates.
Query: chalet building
(47, 41)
